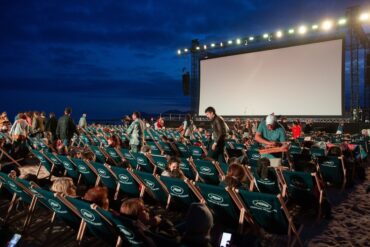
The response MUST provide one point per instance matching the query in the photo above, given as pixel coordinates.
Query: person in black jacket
(216, 151)
(51, 125)
(66, 127)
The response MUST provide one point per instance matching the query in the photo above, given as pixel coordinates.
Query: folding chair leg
(11, 205)
(31, 210)
(119, 242)
(38, 170)
(297, 238)
(81, 232)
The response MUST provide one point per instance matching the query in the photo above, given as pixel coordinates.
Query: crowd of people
(59, 134)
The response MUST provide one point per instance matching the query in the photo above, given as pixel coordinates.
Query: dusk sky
(109, 58)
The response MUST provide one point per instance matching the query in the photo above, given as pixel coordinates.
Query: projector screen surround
(300, 80)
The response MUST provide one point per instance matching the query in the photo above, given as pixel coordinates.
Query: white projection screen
(301, 80)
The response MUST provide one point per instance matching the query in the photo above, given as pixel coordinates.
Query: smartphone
(225, 239)
(16, 237)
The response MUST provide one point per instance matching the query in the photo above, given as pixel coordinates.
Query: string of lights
(323, 27)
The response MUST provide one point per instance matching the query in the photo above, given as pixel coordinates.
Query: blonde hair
(131, 207)
(64, 185)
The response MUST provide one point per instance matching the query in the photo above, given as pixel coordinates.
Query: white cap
(270, 119)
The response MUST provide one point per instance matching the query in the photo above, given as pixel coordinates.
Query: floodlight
(179, 52)
(251, 38)
(314, 27)
(302, 30)
(213, 45)
(342, 21)
(279, 34)
(266, 35)
(291, 31)
(327, 25)
(364, 16)
(230, 42)
(238, 41)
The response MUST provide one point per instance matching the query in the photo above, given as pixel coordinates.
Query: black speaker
(186, 83)
(367, 69)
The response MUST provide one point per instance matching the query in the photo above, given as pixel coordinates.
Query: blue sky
(109, 58)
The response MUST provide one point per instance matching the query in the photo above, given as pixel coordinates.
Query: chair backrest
(99, 156)
(62, 211)
(160, 162)
(300, 185)
(113, 155)
(186, 168)
(143, 162)
(152, 186)
(195, 152)
(207, 171)
(153, 147)
(221, 203)
(269, 185)
(183, 149)
(317, 152)
(14, 187)
(89, 175)
(266, 210)
(97, 224)
(43, 161)
(71, 169)
(129, 157)
(106, 177)
(166, 147)
(125, 227)
(53, 159)
(180, 192)
(331, 169)
(128, 185)
(253, 157)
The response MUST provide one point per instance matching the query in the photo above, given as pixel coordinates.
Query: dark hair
(68, 110)
(262, 169)
(99, 196)
(210, 109)
(137, 114)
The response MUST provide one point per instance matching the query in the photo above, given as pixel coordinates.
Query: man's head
(270, 122)
(67, 111)
(210, 112)
(135, 115)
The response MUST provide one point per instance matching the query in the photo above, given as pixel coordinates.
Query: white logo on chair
(42, 159)
(128, 234)
(329, 163)
(178, 191)
(54, 160)
(161, 164)
(103, 173)
(67, 165)
(83, 169)
(150, 184)
(181, 148)
(14, 187)
(56, 206)
(98, 153)
(255, 156)
(196, 151)
(37, 194)
(262, 205)
(124, 179)
(216, 199)
(183, 165)
(89, 217)
(141, 161)
(113, 154)
(205, 170)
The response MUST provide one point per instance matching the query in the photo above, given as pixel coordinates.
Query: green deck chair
(129, 157)
(183, 149)
(220, 202)
(105, 176)
(152, 186)
(271, 214)
(269, 185)
(70, 168)
(97, 224)
(99, 155)
(253, 157)
(186, 168)
(126, 228)
(207, 171)
(127, 184)
(154, 148)
(159, 161)
(195, 152)
(88, 174)
(143, 163)
(179, 192)
(332, 170)
(113, 156)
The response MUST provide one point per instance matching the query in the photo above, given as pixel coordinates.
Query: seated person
(173, 169)
(114, 142)
(65, 186)
(135, 209)
(236, 177)
(199, 222)
(99, 196)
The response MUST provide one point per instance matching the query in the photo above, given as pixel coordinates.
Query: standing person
(82, 123)
(218, 135)
(136, 132)
(296, 130)
(66, 127)
(19, 133)
(51, 125)
(4, 122)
